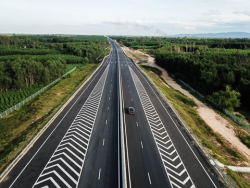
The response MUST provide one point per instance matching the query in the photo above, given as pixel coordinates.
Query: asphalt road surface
(81, 148)
(159, 151)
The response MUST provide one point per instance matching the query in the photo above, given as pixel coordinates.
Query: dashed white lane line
(137, 124)
(99, 174)
(141, 145)
(106, 121)
(149, 179)
(103, 141)
(108, 108)
(109, 98)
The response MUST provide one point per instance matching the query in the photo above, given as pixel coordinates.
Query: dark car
(131, 110)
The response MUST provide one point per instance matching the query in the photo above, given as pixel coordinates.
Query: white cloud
(211, 12)
(247, 13)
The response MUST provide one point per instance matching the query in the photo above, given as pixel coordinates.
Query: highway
(159, 151)
(81, 148)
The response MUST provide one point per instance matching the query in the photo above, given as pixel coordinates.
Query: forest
(29, 62)
(219, 68)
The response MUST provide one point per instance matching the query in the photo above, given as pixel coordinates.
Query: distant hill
(217, 35)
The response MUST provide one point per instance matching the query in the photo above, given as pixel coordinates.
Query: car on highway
(131, 110)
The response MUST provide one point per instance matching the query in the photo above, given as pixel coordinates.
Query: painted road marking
(103, 142)
(174, 167)
(149, 179)
(99, 174)
(137, 124)
(141, 145)
(65, 165)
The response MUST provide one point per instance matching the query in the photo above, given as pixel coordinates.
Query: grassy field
(218, 147)
(18, 128)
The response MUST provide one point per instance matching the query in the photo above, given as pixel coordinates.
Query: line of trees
(40, 64)
(210, 72)
(216, 67)
(29, 62)
(24, 73)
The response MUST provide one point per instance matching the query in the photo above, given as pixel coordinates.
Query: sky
(126, 17)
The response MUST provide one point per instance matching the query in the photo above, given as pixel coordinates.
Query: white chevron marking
(66, 155)
(68, 143)
(54, 172)
(70, 167)
(172, 164)
(65, 148)
(82, 141)
(182, 182)
(62, 169)
(70, 139)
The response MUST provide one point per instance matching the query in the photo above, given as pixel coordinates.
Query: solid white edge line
(125, 133)
(32, 142)
(177, 127)
(106, 69)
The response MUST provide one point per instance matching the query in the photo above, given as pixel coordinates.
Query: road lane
(184, 163)
(101, 167)
(142, 153)
(60, 162)
(80, 148)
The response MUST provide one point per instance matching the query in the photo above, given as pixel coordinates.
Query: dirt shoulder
(213, 119)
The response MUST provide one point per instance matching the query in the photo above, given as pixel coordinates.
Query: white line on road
(149, 179)
(131, 99)
(110, 91)
(137, 124)
(99, 174)
(106, 122)
(103, 142)
(108, 108)
(109, 98)
(141, 145)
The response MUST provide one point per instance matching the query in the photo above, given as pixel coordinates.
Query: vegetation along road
(92, 141)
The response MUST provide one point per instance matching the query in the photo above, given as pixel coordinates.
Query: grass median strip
(19, 127)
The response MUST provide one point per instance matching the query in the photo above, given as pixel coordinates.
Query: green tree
(228, 99)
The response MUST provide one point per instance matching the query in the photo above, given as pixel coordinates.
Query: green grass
(244, 137)
(153, 69)
(237, 177)
(71, 66)
(218, 147)
(19, 127)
